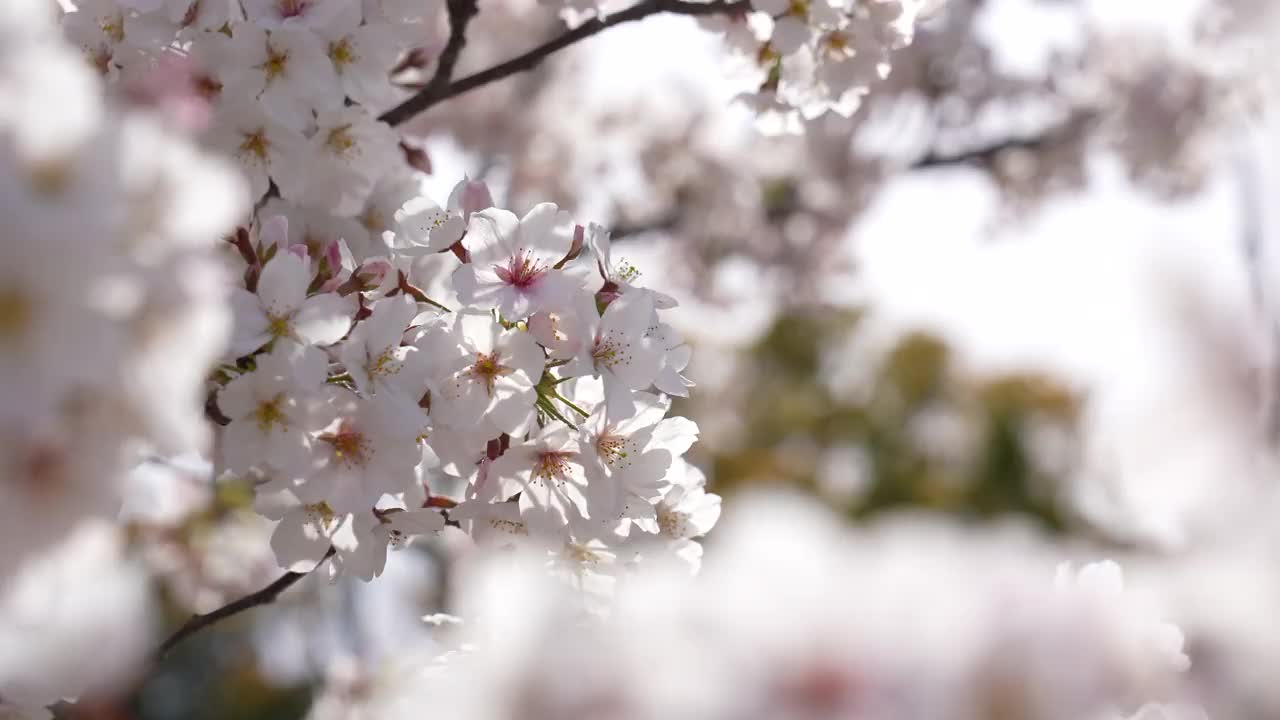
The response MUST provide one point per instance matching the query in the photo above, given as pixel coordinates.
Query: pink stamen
(292, 8)
(522, 271)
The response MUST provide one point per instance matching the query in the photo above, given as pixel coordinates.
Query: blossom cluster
(807, 59)
(288, 88)
(392, 359)
(529, 401)
(796, 617)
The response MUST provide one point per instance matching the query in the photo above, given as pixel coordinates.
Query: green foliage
(931, 436)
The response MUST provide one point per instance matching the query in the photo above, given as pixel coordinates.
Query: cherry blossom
(633, 455)
(281, 308)
(374, 355)
(265, 150)
(362, 54)
(271, 409)
(513, 261)
(286, 70)
(366, 451)
(482, 372)
(614, 347)
(618, 277)
(430, 229)
(341, 161)
(547, 471)
(686, 510)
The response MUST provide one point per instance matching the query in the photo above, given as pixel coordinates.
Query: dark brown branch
(460, 14)
(265, 596)
(980, 155)
(665, 223)
(434, 93)
(1078, 125)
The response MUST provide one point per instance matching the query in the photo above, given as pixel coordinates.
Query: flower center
(339, 140)
(609, 352)
(208, 87)
(15, 314)
(350, 447)
(269, 414)
(672, 523)
(522, 270)
(319, 513)
(383, 365)
(278, 325)
(255, 143)
(580, 554)
(614, 449)
(276, 64)
(341, 53)
(625, 273)
(511, 527)
(488, 368)
(113, 28)
(373, 220)
(551, 465)
(293, 8)
(51, 176)
(42, 473)
(100, 58)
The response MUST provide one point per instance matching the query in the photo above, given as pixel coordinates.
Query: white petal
(298, 544)
(283, 283)
(323, 319)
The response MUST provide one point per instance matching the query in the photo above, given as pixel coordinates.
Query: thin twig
(1075, 126)
(666, 223)
(265, 596)
(435, 93)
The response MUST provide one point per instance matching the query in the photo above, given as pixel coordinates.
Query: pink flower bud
(470, 196)
(333, 255)
(373, 271)
(475, 196)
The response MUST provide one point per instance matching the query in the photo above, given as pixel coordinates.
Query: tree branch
(436, 92)
(265, 596)
(1077, 125)
(979, 155)
(460, 14)
(664, 223)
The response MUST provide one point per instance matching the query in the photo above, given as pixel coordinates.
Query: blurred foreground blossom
(906, 619)
(110, 314)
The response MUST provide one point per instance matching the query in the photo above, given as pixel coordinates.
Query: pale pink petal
(491, 236)
(547, 232)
